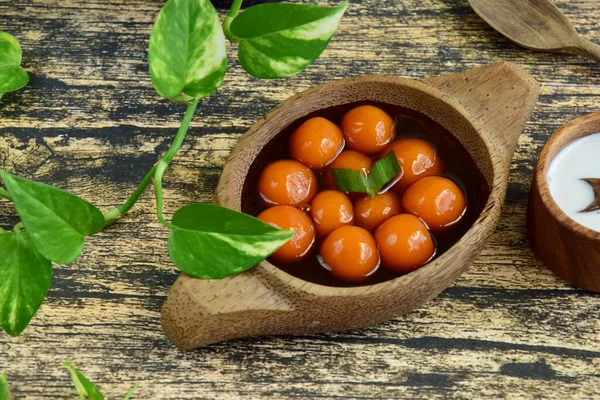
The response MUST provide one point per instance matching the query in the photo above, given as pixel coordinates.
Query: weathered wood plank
(90, 121)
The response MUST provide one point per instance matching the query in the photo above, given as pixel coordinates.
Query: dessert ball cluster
(351, 234)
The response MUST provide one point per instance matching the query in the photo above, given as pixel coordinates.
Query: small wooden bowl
(569, 249)
(485, 109)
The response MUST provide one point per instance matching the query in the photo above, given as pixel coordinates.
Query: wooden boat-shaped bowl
(570, 250)
(485, 109)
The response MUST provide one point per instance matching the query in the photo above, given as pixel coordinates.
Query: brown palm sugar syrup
(458, 166)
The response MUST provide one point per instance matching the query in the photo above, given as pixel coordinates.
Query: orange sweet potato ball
(348, 159)
(404, 242)
(368, 129)
(437, 200)
(369, 213)
(316, 142)
(287, 182)
(351, 253)
(331, 209)
(417, 157)
(286, 217)
(356, 234)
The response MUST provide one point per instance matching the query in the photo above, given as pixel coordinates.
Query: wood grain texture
(90, 121)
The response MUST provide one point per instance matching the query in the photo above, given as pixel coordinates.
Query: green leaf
(12, 76)
(131, 391)
(384, 172)
(10, 50)
(25, 277)
(348, 180)
(211, 242)
(187, 52)
(4, 389)
(85, 388)
(56, 220)
(280, 40)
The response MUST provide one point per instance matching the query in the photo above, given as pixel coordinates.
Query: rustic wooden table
(90, 121)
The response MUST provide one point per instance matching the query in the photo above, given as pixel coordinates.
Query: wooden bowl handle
(499, 97)
(200, 312)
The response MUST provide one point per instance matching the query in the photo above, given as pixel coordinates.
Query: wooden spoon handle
(589, 49)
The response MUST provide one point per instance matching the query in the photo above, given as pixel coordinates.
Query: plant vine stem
(4, 193)
(168, 157)
(233, 12)
(156, 173)
(115, 214)
(158, 191)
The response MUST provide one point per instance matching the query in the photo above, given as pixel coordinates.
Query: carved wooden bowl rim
(573, 130)
(491, 209)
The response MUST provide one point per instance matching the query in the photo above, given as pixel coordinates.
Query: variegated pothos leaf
(12, 76)
(131, 391)
(25, 277)
(187, 52)
(56, 220)
(280, 40)
(4, 388)
(212, 242)
(85, 389)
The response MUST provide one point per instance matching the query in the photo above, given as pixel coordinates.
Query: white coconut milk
(580, 159)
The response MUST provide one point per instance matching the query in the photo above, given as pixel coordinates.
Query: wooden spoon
(535, 24)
